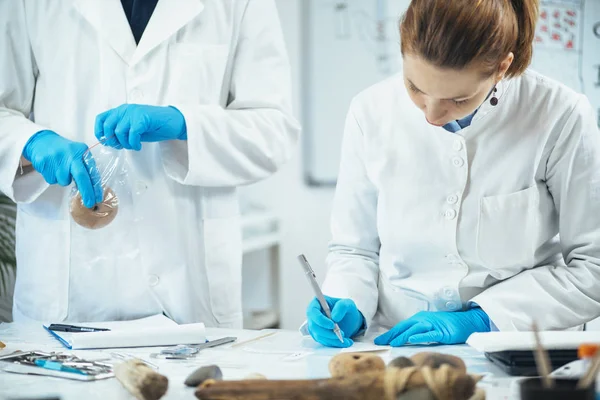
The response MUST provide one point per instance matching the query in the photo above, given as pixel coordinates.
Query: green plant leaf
(8, 265)
(7, 278)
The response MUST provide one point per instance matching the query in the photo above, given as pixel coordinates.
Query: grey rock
(202, 374)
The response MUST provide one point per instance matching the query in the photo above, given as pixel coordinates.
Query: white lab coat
(425, 219)
(224, 66)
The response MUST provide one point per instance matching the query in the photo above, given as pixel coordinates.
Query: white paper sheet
(156, 330)
(286, 343)
(365, 347)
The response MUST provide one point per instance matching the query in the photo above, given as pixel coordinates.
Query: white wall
(304, 211)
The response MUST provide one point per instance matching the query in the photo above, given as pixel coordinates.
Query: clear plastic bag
(104, 261)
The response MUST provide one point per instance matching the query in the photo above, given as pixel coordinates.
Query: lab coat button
(450, 214)
(457, 145)
(451, 306)
(153, 280)
(452, 199)
(458, 162)
(448, 293)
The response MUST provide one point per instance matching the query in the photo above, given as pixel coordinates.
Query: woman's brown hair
(459, 33)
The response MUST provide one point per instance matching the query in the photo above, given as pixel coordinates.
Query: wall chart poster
(567, 45)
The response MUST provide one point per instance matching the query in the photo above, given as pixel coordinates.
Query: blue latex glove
(61, 161)
(436, 327)
(126, 126)
(344, 312)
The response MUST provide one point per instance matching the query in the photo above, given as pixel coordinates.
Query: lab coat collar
(168, 17)
(108, 18)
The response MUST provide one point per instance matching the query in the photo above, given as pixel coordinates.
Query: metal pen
(312, 278)
(73, 328)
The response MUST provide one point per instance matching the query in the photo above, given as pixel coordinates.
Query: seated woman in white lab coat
(468, 197)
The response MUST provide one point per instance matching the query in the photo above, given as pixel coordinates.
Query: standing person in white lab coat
(468, 197)
(198, 89)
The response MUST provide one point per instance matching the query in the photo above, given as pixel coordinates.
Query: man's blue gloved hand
(436, 326)
(61, 161)
(126, 126)
(344, 312)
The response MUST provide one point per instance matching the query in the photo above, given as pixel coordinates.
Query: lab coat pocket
(197, 73)
(397, 303)
(223, 244)
(42, 249)
(507, 228)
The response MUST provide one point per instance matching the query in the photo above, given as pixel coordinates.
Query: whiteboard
(352, 44)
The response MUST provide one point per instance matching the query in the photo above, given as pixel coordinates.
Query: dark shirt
(138, 14)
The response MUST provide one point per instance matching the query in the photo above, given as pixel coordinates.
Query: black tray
(522, 362)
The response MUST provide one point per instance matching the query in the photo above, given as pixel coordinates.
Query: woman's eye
(414, 89)
(461, 102)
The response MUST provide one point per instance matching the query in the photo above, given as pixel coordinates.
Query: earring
(494, 99)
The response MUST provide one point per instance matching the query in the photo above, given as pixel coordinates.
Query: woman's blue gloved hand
(128, 125)
(61, 161)
(436, 327)
(343, 312)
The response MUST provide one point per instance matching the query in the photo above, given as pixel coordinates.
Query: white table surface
(266, 356)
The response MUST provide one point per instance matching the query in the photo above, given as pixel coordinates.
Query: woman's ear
(504, 66)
